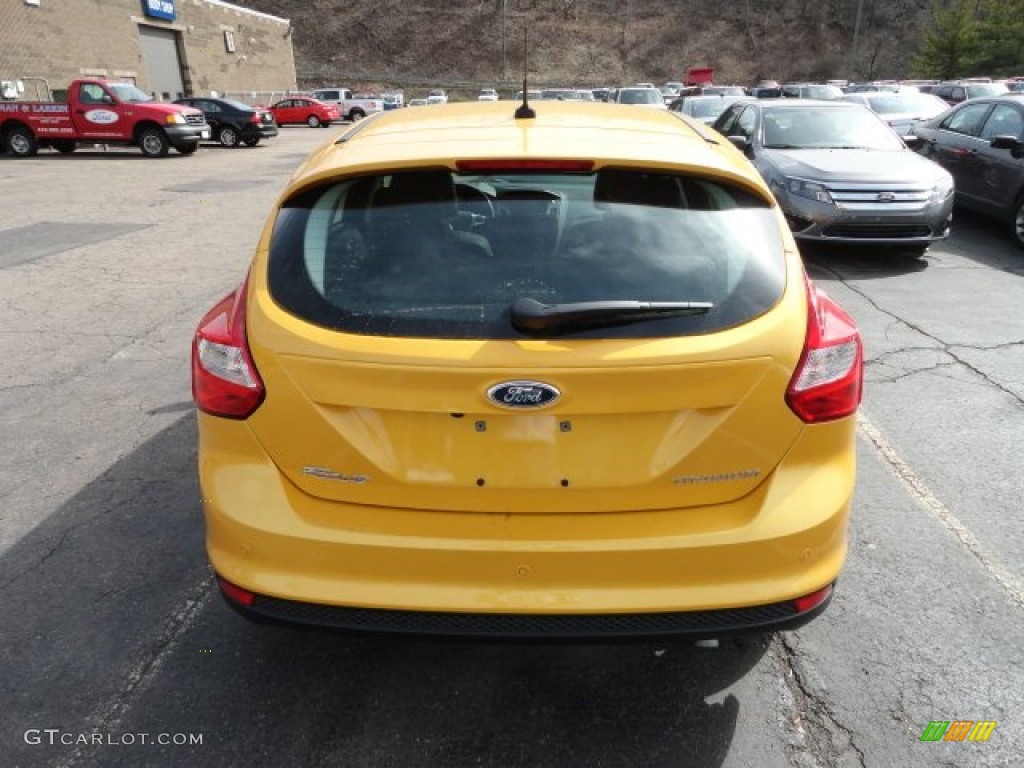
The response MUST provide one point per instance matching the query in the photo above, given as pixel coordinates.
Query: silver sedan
(902, 109)
(841, 174)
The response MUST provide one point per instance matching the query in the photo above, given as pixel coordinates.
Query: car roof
(731, 98)
(774, 104)
(609, 134)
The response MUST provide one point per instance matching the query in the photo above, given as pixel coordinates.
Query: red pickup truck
(101, 112)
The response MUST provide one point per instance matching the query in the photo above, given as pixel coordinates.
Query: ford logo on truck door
(101, 116)
(523, 394)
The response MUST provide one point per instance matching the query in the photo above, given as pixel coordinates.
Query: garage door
(160, 54)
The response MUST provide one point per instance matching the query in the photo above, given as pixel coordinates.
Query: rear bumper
(533, 627)
(696, 570)
(263, 131)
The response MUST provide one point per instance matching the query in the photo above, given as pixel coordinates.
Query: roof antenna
(525, 112)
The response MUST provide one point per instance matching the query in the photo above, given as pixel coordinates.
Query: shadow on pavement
(271, 696)
(860, 262)
(88, 593)
(94, 642)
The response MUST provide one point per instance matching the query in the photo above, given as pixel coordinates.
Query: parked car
(487, 94)
(874, 87)
(304, 109)
(723, 90)
(811, 91)
(901, 109)
(233, 122)
(841, 174)
(567, 94)
(531, 95)
(417, 102)
(610, 404)
(954, 93)
(437, 96)
(641, 97)
(703, 108)
(393, 100)
(980, 143)
(351, 106)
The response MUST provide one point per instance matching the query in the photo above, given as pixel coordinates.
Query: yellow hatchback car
(527, 374)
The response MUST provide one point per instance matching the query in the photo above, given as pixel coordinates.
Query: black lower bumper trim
(518, 626)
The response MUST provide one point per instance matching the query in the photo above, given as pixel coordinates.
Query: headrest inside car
(412, 188)
(634, 188)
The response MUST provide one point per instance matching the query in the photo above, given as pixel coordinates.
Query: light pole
(504, 60)
(856, 35)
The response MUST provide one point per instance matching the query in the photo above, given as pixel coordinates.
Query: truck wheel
(313, 121)
(356, 115)
(228, 137)
(65, 147)
(252, 141)
(154, 143)
(22, 142)
(187, 149)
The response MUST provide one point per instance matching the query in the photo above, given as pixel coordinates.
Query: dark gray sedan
(981, 142)
(841, 174)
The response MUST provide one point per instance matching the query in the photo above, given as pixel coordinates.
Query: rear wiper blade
(530, 316)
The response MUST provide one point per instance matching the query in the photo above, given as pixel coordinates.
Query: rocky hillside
(469, 43)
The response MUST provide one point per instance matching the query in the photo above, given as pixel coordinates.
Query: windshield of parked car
(983, 90)
(827, 127)
(920, 104)
(441, 255)
(128, 93)
(707, 108)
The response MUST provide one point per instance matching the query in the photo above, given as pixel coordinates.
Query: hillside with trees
(383, 43)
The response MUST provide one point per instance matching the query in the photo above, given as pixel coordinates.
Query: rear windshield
(434, 254)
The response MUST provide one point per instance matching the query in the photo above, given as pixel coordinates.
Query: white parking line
(110, 718)
(924, 496)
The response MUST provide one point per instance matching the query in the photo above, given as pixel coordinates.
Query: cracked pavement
(112, 625)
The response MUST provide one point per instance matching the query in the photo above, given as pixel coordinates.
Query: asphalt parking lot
(115, 649)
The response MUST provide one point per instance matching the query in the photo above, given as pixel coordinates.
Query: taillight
(805, 603)
(256, 118)
(828, 381)
(225, 381)
(235, 592)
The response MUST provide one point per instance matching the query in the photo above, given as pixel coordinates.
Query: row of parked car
(233, 123)
(839, 171)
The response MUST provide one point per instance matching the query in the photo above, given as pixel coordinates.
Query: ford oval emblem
(523, 394)
(101, 116)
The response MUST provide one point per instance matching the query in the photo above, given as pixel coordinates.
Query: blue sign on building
(159, 9)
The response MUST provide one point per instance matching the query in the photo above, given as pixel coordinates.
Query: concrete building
(170, 48)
